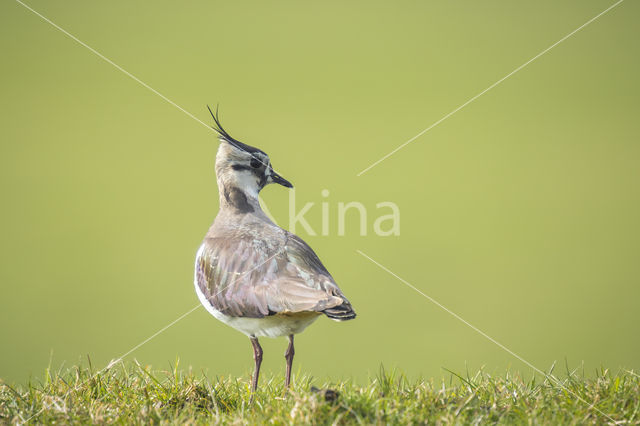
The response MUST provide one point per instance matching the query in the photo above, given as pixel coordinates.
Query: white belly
(271, 326)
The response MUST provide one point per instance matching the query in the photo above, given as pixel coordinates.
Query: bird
(252, 275)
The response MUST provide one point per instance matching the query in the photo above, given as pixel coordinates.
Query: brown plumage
(245, 277)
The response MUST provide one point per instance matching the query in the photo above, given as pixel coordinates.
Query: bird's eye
(255, 163)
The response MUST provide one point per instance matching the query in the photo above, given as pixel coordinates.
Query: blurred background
(519, 213)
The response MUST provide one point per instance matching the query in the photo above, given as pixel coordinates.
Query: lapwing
(251, 274)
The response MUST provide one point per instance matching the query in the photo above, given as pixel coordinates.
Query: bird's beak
(276, 178)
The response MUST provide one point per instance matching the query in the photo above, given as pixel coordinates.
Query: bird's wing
(304, 265)
(246, 277)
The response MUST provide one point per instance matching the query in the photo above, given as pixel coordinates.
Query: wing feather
(245, 277)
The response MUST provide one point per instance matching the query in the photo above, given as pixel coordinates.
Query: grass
(137, 394)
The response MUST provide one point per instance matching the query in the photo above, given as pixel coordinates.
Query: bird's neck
(238, 200)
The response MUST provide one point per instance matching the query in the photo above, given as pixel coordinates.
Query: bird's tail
(342, 312)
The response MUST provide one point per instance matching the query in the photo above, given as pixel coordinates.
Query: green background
(519, 213)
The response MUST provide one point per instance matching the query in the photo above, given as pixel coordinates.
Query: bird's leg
(288, 355)
(257, 357)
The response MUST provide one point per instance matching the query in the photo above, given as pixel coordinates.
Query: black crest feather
(226, 137)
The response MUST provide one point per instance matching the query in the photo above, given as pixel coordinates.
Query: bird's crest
(224, 136)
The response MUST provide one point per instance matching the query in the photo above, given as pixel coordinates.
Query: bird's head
(242, 167)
